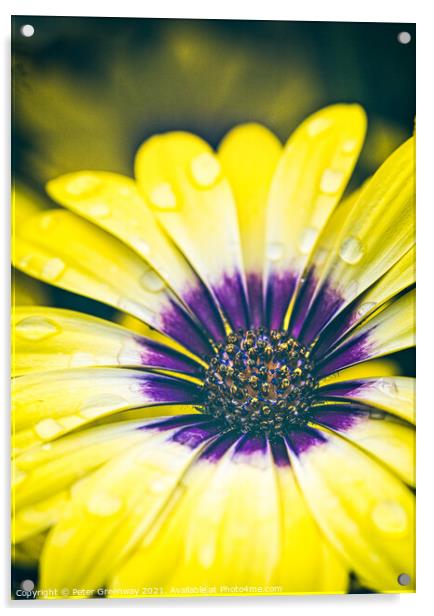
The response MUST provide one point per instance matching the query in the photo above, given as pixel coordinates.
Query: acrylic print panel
(213, 307)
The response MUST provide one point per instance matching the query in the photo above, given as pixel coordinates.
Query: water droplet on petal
(48, 428)
(275, 251)
(207, 555)
(71, 422)
(81, 359)
(365, 308)
(351, 250)
(61, 538)
(104, 504)
(141, 246)
(152, 282)
(388, 387)
(157, 486)
(307, 240)
(163, 197)
(205, 169)
(99, 210)
(52, 269)
(25, 260)
(83, 185)
(317, 126)
(390, 517)
(36, 328)
(18, 476)
(47, 221)
(331, 181)
(349, 145)
(101, 404)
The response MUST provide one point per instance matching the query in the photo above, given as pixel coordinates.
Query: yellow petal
(182, 180)
(113, 202)
(56, 339)
(376, 232)
(64, 250)
(311, 176)
(387, 331)
(249, 155)
(47, 405)
(363, 509)
(110, 511)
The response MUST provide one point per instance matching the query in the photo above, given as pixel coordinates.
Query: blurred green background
(88, 91)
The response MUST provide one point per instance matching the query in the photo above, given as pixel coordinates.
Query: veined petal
(371, 368)
(44, 474)
(228, 526)
(307, 560)
(390, 441)
(249, 155)
(387, 331)
(364, 510)
(56, 339)
(394, 394)
(64, 250)
(311, 176)
(112, 508)
(113, 202)
(360, 246)
(47, 405)
(400, 277)
(182, 180)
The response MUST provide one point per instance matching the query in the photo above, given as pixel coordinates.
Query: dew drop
(207, 555)
(100, 404)
(62, 538)
(307, 240)
(152, 282)
(275, 251)
(18, 476)
(99, 210)
(104, 504)
(331, 181)
(349, 145)
(205, 169)
(351, 250)
(365, 308)
(71, 422)
(163, 197)
(25, 260)
(388, 387)
(81, 359)
(36, 328)
(141, 246)
(48, 428)
(317, 126)
(157, 486)
(83, 185)
(47, 221)
(52, 269)
(390, 517)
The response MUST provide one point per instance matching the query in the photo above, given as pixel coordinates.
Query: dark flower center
(260, 381)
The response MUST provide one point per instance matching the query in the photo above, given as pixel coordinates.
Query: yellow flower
(250, 438)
